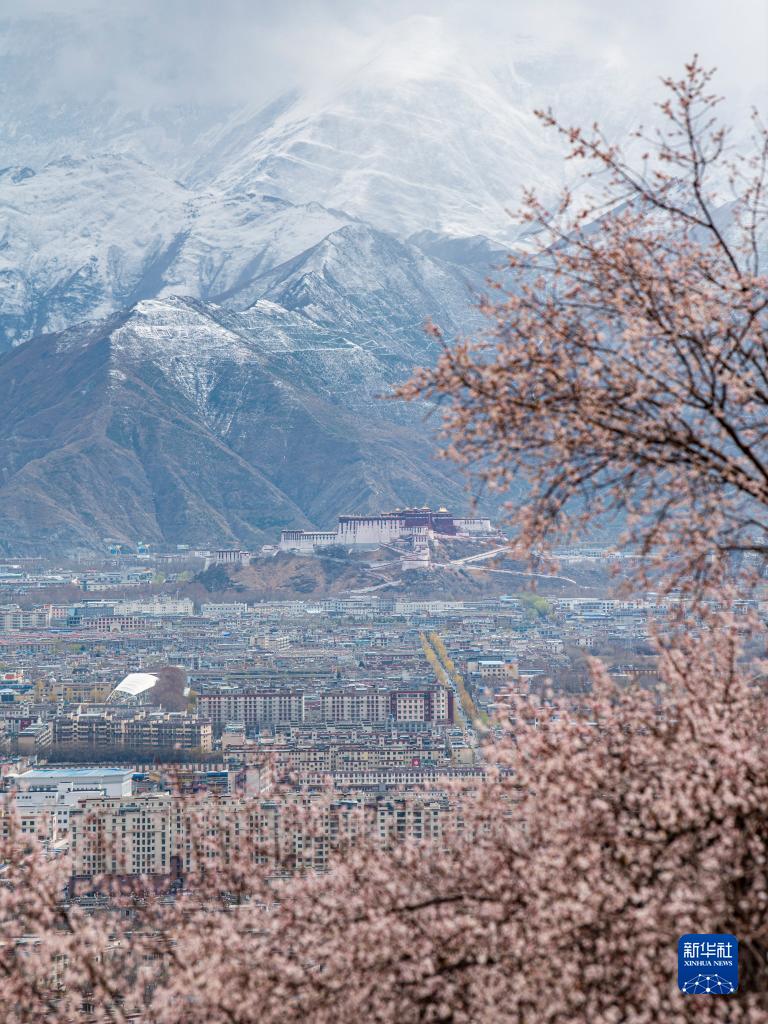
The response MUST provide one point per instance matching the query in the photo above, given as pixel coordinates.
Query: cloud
(146, 53)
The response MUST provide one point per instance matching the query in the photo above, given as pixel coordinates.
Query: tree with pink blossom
(624, 375)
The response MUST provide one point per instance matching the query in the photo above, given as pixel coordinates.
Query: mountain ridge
(126, 436)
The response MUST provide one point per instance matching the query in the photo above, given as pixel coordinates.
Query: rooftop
(50, 773)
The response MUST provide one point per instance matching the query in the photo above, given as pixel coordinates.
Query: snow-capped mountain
(202, 304)
(418, 140)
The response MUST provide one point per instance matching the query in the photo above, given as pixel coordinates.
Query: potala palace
(372, 530)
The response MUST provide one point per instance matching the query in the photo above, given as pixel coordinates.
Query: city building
(44, 798)
(13, 618)
(137, 729)
(164, 838)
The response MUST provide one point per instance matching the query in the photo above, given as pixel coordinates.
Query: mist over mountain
(203, 294)
(95, 214)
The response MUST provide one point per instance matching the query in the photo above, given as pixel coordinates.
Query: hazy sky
(247, 50)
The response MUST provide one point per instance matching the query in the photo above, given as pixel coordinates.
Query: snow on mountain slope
(189, 342)
(360, 280)
(80, 238)
(230, 239)
(417, 138)
(83, 238)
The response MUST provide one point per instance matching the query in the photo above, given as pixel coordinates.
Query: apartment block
(136, 729)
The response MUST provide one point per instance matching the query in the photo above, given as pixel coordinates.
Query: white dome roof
(133, 684)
